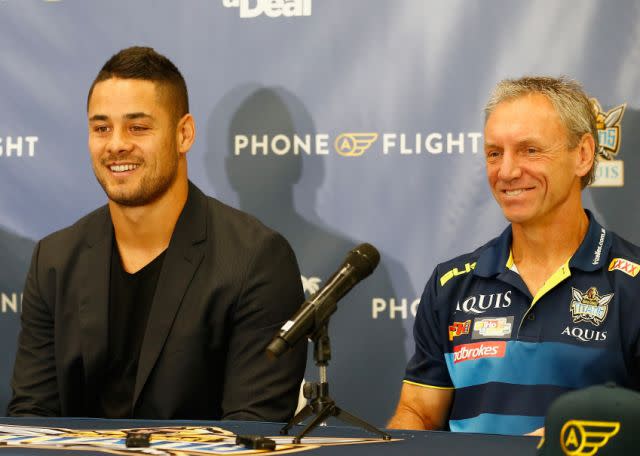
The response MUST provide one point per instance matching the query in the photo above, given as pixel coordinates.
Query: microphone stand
(321, 405)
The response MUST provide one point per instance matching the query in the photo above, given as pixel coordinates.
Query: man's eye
(493, 154)
(101, 129)
(139, 128)
(532, 150)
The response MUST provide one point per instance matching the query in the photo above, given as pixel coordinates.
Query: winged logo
(585, 438)
(589, 306)
(354, 144)
(608, 123)
(310, 285)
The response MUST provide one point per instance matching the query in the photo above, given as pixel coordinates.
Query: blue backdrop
(335, 122)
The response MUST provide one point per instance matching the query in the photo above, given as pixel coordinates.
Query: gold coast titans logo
(608, 123)
(589, 306)
(585, 438)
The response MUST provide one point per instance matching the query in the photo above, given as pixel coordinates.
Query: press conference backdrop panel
(335, 122)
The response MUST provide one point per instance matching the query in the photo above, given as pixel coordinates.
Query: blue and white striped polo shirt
(509, 354)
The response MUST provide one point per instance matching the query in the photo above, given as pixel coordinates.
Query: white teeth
(513, 192)
(122, 168)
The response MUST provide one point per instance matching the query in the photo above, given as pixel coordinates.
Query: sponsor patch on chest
(589, 306)
(496, 327)
(459, 328)
(478, 350)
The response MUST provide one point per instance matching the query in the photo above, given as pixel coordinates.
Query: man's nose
(119, 142)
(509, 166)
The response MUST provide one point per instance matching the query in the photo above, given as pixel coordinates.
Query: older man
(548, 306)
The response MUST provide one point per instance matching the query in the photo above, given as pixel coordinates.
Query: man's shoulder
(461, 265)
(224, 215)
(622, 247)
(238, 229)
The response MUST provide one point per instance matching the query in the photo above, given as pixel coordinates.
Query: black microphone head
(364, 259)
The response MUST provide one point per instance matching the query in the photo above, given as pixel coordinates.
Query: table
(424, 443)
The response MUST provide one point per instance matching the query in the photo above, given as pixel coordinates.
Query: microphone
(316, 310)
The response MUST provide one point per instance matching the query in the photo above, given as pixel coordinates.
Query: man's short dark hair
(146, 64)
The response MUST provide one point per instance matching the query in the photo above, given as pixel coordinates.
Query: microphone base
(324, 407)
(320, 403)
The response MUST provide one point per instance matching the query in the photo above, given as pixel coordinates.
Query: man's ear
(586, 155)
(185, 133)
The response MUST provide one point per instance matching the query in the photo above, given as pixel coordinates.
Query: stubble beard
(148, 190)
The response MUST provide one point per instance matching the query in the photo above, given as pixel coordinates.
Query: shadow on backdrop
(15, 252)
(368, 361)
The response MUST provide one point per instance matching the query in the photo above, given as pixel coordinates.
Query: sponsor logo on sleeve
(458, 329)
(589, 306)
(626, 266)
(468, 267)
(478, 350)
(586, 438)
(498, 327)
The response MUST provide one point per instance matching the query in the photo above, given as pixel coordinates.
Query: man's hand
(537, 433)
(422, 408)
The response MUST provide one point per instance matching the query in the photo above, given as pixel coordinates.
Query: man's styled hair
(146, 64)
(567, 97)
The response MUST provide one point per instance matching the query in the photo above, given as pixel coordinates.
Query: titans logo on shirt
(589, 306)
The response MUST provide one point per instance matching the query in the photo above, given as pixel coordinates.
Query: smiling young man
(551, 304)
(160, 304)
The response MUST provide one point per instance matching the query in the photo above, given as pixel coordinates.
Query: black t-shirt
(130, 297)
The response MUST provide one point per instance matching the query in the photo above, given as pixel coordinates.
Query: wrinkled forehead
(524, 116)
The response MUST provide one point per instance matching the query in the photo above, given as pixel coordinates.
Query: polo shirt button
(531, 316)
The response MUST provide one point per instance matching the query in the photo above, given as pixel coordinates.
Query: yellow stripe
(561, 274)
(510, 260)
(429, 386)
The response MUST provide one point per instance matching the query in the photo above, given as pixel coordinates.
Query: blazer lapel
(93, 307)
(181, 261)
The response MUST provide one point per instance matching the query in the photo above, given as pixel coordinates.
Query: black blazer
(226, 286)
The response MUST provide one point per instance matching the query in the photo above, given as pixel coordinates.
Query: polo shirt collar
(591, 255)
(594, 250)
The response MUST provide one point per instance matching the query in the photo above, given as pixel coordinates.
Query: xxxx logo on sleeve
(626, 266)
